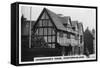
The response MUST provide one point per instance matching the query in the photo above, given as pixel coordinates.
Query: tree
(88, 42)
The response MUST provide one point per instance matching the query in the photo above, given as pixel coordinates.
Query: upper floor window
(81, 39)
(60, 34)
(73, 28)
(68, 36)
(76, 37)
(72, 37)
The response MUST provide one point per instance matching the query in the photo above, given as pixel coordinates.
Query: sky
(84, 15)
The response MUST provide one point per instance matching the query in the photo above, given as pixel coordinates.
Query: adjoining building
(25, 31)
(89, 42)
(57, 31)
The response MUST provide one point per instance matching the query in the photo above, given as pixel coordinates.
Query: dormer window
(65, 25)
(73, 28)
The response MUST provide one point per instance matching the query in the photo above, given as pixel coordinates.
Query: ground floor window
(46, 36)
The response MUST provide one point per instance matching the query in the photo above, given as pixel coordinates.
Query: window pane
(45, 31)
(81, 39)
(45, 38)
(40, 31)
(53, 45)
(49, 31)
(49, 38)
(68, 36)
(53, 38)
(53, 31)
(50, 45)
(60, 34)
(72, 37)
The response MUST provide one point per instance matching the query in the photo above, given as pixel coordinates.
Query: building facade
(55, 31)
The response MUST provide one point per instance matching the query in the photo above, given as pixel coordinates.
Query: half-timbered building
(56, 31)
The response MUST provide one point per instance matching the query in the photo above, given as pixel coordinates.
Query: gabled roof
(58, 21)
(80, 27)
(65, 19)
(74, 23)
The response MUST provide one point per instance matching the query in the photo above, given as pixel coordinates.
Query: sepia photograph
(56, 33)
